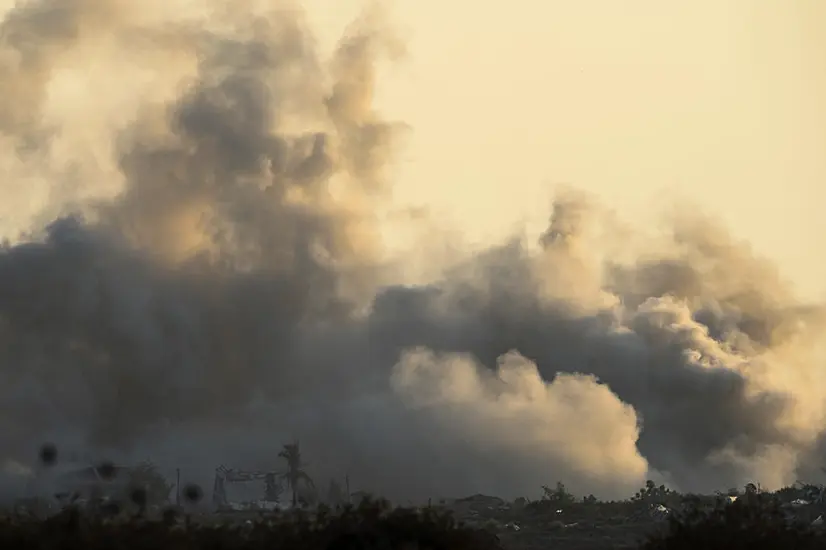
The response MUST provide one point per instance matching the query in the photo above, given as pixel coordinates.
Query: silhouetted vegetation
(754, 524)
(145, 478)
(295, 474)
(654, 518)
(371, 525)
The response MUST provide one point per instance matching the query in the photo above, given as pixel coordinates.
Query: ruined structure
(224, 476)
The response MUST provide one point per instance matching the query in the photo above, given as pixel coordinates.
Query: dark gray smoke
(195, 275)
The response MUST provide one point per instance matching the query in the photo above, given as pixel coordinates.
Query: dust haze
(193, 272)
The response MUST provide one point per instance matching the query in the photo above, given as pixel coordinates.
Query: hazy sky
(718, 102)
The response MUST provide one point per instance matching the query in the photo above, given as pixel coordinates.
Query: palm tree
(295, 472)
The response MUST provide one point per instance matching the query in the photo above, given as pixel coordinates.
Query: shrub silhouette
(156, 489)
(557, 496)
(754, 524)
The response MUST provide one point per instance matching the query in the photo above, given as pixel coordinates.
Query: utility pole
(347, 487)
(178, 487)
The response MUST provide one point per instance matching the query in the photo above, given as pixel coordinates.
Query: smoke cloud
(194, 273)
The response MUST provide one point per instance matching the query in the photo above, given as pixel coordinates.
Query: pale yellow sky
(719, 101)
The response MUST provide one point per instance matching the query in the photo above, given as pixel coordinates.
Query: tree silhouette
(295, 473)
(145, 476)
(558, 495)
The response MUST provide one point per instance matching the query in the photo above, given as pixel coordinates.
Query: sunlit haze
(640, 102)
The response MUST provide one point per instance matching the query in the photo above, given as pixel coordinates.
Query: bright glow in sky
(636, 101)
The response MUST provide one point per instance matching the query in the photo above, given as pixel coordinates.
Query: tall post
(178, 487)
(347, 487)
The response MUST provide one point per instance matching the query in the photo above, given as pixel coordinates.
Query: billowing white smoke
(194, 275)
(516, 420)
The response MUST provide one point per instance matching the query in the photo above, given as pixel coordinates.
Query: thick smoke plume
(194, 273)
